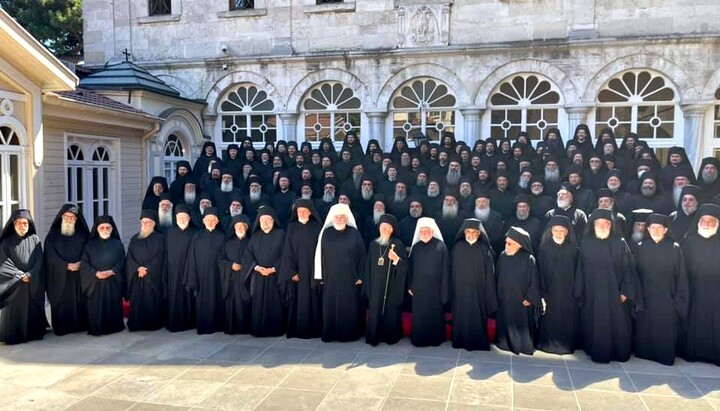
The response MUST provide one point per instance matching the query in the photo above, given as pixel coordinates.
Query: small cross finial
(127, 55)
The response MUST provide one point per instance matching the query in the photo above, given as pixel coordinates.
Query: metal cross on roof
(127, 55)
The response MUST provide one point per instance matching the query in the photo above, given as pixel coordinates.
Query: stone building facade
(299, 70)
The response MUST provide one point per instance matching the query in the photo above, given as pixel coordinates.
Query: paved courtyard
(164, 371)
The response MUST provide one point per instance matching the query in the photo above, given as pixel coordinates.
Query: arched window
(248, 111)
(91, 176)
(76, 175)
(331, 110)
(641, 102)
(174, 152)
(525, 102)
(12, 177)
(424, 105)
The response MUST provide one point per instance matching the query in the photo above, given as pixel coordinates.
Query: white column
(577, 114)
(377, 126)
(693, 138)
(472, 125)
(289, 126)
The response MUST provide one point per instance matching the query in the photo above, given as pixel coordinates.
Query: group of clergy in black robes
(250, 243)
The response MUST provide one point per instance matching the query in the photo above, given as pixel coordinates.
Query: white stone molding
(435, 71)
(673, 73)
(218, 90)
(423, 24)
(544, 69)
(331, 74)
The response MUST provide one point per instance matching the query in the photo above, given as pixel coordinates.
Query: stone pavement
(164, 371)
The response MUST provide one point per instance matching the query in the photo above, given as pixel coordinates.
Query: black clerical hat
(656, 218)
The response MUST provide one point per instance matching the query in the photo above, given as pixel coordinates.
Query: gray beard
(522, 184)
(415, 213)
(449, 212)
(143, 234)
(376, 217)
(306, 196)
(522, 217)
(366, 195)
(647, 191)
(226, 187)
(190, 197)
(689, 211)
(255, 196)
(709, 178)
(357, 180)
(482, 214)
(165, 218)
(432, 193)
(68, 230)
(453, 178)
(328, 197)
(676, 194)
(382, 241)
(552, 176)
(400, 197)
(234, 212)
(636, 237)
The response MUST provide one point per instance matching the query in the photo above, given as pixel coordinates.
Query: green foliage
(55, 23)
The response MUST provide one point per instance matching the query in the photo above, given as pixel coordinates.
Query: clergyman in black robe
(157, 186)
(64, 247)
(262, 264)
(180, 301)
(300, 292)
(606, 287)
(144, 270)
(202, 274)
(102, 271)
(557, 259)
(385, 284)
(428, 284)
(661, 271)
(518, 286)
(474, 296)
(701, 250)
(339, 265)
(23, 318)
(235, 287)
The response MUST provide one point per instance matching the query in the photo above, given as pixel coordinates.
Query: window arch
(641, 102)
(248, 111)
(331, 109)
(91, 176)
(425, 105)
(526, 102)
(12, 176)
(76, 175)
(174, 152)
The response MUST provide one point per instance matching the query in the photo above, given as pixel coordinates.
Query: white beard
(339, 227)
(240, 235)
(67, 229)
(226, 187)
(636, 236)
(482, 214)
(190, 198)
(604, 235)
(563, 204)
(165, 218)
(366, 195)
(522, 217)
(234, 212)
(255, 196)
(469, 241)
(689, 210)
(105, 235)
(328, 197)
(523, 184)
(145, 233)
(432, 193)
(414, 213)
(536, 192)
(382, 241)
(376, 217)
(306, 196)
(707, 232)
(449, 211)
(400, 197)
(182, 226)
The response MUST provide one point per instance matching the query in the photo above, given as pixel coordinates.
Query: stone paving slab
(185, 371)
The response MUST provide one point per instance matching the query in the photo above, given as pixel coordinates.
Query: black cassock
(303, 298)
(474, 295)
(429, 280)
(23, 318)
(517, 280)
(343, 262)
(702, 259)
(146, 294)
(67, 302)
(605, 269)
(268, 311)
(558, 326)
(202, 278)
(104, 297)
(180, 302)
(235, 290)
(385, 326)
(661, 271)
